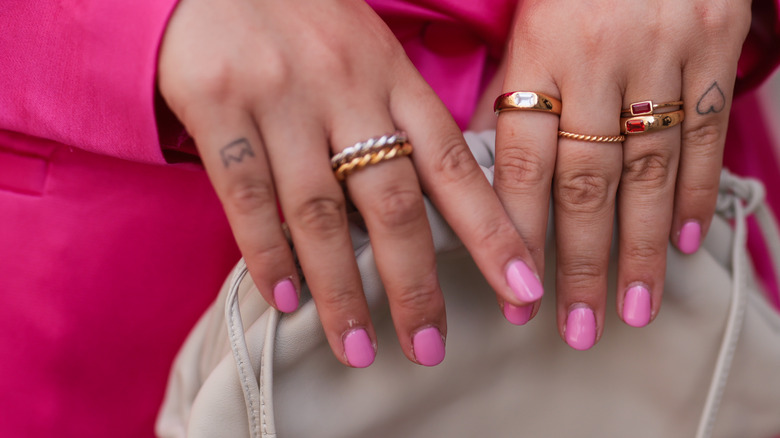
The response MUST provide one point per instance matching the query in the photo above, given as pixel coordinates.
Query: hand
(598, 57)
(269, 91)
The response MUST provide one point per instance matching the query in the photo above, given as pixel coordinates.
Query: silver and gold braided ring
(593, 138)
(373, 157)
(365, 147)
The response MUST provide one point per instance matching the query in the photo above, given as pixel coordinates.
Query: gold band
(365, 147)
(592, 138)
(373, 157)
(655, 122)
(527, 101)
(646, 107)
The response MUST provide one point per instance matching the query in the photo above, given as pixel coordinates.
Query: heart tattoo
(712, 101)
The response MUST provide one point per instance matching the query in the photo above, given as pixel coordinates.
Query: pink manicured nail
(523, 282)
(690, 237)
(581, 328)
(358, 348)
(285, 296)
(428, 346)
(517, 315)
(636, 306)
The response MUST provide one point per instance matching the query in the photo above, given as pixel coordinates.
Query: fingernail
(523, 282)
(358, 348)
(285, 296)
(428, 346)
(690, 237)
(581, 328)
(636, 306)
(517, 315)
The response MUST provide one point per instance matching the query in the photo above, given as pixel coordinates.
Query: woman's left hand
(599, 57)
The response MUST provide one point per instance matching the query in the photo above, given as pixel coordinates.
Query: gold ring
(593, 138)
(655, 122)
(527, 101)
(646, 107)
(364, 147)
(373, 157)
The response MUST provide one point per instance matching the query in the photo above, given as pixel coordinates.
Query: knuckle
(418, 297)
(338, 300)
(520, 169)
(582, 271)
(321, 215)
(705, 136)
(399, 207)
(269, 254)
(583, 192)
(496, 230)
(249, 197)
(651, 168)
(696, 190)
(645, 251)
(454, 160)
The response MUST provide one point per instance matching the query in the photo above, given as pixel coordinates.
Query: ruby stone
(633, 126)
(641, 108)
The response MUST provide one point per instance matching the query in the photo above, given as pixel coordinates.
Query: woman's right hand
(269, 91)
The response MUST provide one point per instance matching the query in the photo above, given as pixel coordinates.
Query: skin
(624, 52)
(270, 90)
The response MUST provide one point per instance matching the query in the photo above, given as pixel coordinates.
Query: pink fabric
(107, 254)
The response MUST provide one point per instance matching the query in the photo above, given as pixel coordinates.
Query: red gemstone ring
(653, 122)
(646, 107)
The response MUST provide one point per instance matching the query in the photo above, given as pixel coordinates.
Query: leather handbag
(709, 365)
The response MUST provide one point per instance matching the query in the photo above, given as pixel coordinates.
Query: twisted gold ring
(373, 157)
(364, 147)
(527, 101)
(592, 138)
(654, 122)
(646, 107)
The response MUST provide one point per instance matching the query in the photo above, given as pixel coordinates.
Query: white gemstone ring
(527, 101)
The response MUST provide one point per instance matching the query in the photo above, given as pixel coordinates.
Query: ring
(373, 157)
(365, 147)
(646, 107)
(527, 101)
(593, 138)
(655, 122)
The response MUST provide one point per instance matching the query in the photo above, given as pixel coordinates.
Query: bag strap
(258, 399)
(732, 194)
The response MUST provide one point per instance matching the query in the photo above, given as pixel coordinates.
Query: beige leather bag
(708, 366)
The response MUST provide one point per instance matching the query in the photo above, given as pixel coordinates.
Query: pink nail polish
(690, 237)
(428, 346)
(358, 348)
(285, 296)
(581, 328)
(636, 306)
(523, 282)
(517, 315)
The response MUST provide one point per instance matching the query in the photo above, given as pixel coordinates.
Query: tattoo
(712, 101)
(236, 151)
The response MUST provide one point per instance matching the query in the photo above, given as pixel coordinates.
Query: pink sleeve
(82, 72)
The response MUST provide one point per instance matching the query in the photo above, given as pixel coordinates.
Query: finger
(585, 183)
(646, 197)
(455, 183)
(526, 146)
(708, 79)
(314, 207)
(707, 97)
(235, 160)
(388, 196)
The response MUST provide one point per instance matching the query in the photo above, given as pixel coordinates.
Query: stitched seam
(243, 374)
